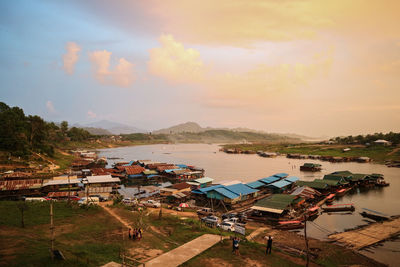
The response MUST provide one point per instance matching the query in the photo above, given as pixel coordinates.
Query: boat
(312, 213)
(374, 215)
(339, 207)
(310, 167)
(341, 192)
(329, 199)
(290, 225)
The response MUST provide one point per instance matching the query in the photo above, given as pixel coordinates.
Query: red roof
(166, 167)
(181, 186)
(20, 184)
(134, 169)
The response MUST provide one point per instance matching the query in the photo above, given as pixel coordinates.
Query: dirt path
(254, 234)
(393, 151)
(185, 252)
(112, 213)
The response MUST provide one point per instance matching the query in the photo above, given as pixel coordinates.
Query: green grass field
(378, 153)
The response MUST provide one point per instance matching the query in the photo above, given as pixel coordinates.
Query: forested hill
(21, 135)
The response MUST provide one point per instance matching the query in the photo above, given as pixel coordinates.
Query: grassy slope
(377, 153)
(86, 237)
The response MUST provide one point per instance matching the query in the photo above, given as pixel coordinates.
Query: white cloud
(71, 57)
(50, 107)
(173, 62)
(122, 75)
(91, 114)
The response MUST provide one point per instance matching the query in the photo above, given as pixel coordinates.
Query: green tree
(64, 127)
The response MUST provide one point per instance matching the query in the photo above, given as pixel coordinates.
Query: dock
(368, 235)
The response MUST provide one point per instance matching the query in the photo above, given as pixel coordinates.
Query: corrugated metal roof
(280, 184)
(101, 179)
(204, 180)
(269, 180)
(313, 184)
(206, 189)
(62, 182)
(241, 189)
(255, 184)
(292, 179)
(276, 201)
(281, 175)
(226, 193)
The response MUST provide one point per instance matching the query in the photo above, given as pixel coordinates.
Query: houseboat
(310, 167)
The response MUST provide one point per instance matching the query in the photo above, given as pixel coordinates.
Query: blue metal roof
(269, 180)
(171, 170)
(226, 193)
(280, 184)
(130, 163)
(255, 184)
(184, 166)
(206, 189)
(241, 189)
(281, 175)
(292, 179)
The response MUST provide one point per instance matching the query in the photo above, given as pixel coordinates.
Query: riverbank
(379, 154)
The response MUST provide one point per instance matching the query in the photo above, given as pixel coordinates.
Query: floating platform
(368, 235)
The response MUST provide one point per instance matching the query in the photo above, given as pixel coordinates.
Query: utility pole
(52, 230)
(306, 240)
(69, 189)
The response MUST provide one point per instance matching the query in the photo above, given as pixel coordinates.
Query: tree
(64, 127)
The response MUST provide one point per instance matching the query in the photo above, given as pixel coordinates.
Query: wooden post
(69, 190)
(306, 240)
(51, 230)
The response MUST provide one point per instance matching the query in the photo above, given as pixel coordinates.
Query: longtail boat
(290, 225)
(339, 207)
(374, 215)
(330, 198)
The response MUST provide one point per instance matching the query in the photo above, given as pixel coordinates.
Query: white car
(227, 226)
(151, 203)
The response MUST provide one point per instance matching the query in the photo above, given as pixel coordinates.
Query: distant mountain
(97, 131)
(113, 127)
(193, 127)
(188, 127)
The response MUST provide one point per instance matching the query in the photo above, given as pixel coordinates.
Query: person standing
(269, 245)
(236, 245)
(129, 232)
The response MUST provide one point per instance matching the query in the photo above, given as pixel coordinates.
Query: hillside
(190, 127)
(113, 127)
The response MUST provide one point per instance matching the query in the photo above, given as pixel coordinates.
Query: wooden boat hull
(373, 216)
(338, 209)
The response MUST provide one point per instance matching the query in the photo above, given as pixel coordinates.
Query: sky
(318, 68)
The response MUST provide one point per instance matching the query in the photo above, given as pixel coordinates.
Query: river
(248, 168)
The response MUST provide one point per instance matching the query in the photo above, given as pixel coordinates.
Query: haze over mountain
(193, 127)
(110, 127)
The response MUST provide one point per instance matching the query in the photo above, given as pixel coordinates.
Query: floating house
(311, 167)
(276, 204)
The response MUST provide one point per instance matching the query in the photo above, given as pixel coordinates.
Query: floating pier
(368, 235)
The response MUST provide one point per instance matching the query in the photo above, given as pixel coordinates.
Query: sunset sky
(308, 67)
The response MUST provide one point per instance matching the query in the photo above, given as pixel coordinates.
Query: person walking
(236, 245)
(129, 233)
(269, 245)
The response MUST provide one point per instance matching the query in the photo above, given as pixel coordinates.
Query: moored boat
(311, 167)
(290, 225)
(329, 199)
(339, 207)
(374, 215)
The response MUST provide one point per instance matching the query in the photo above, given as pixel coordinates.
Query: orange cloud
(174, 63)
(71, 57)
(243, 22)
(122, 75)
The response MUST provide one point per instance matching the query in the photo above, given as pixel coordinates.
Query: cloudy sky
(303, 66)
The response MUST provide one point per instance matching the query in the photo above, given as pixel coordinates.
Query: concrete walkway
(185, 252)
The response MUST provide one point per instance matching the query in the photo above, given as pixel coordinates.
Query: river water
(248, 168)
